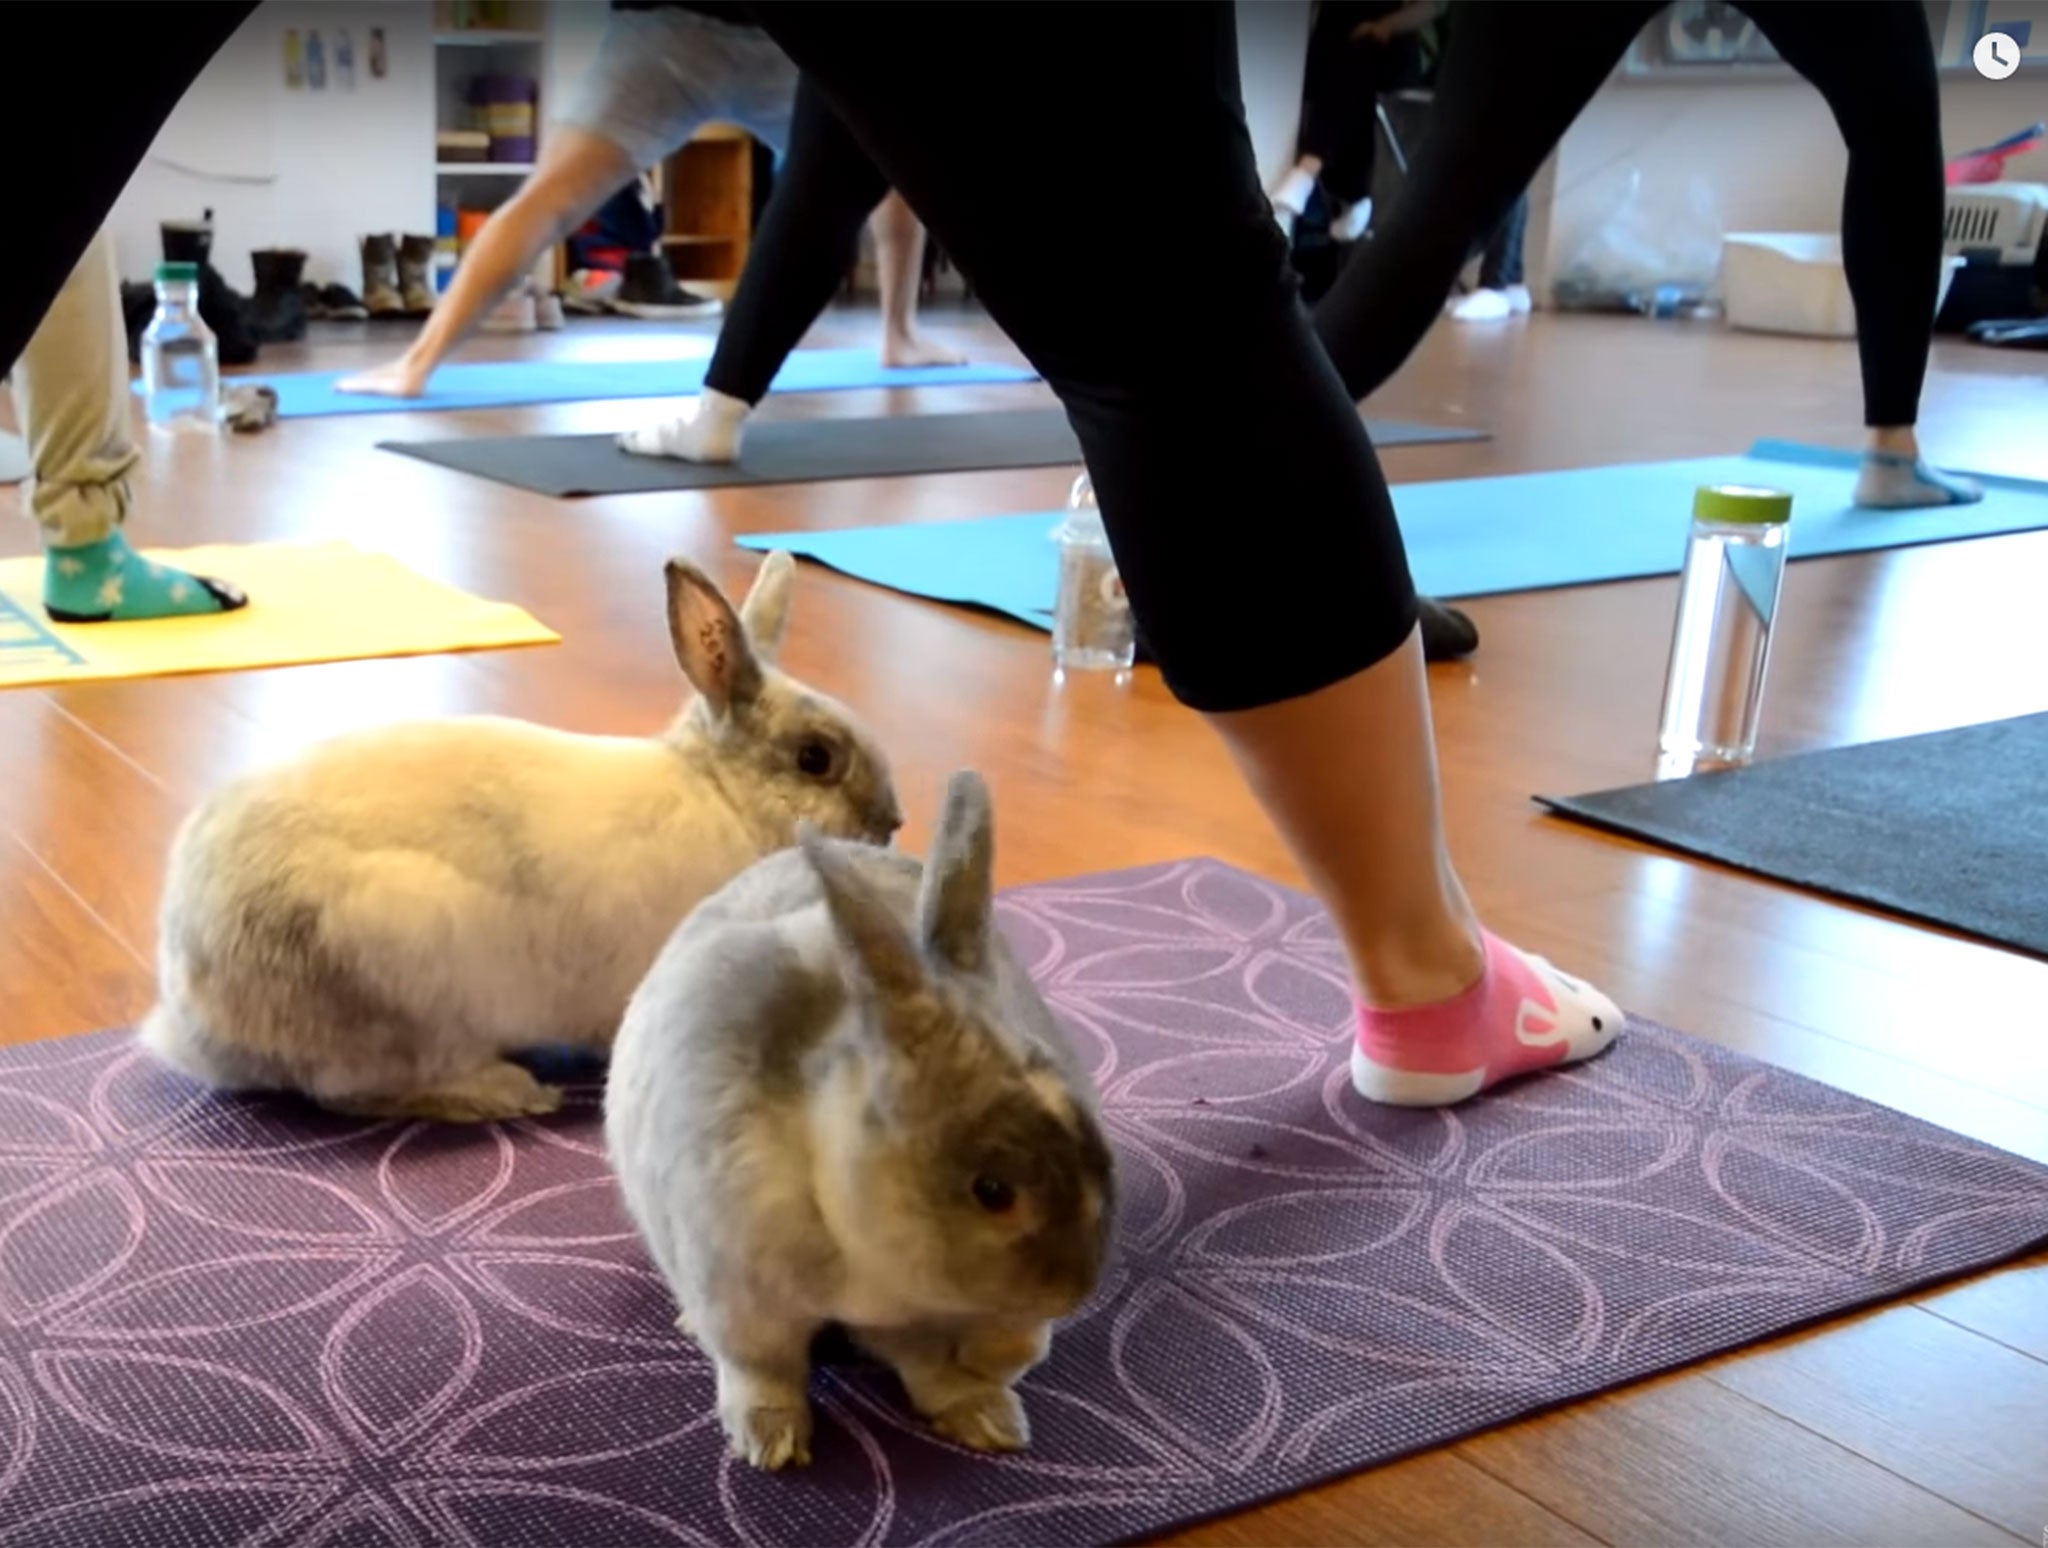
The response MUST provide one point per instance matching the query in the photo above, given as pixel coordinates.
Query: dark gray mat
(803, 451)
(1950, 828)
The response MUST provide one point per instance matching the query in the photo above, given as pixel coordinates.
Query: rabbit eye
(994, 1195)
(814, 759)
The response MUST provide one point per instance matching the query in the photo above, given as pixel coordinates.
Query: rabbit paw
(992, 1420)
(769, 1438)
(501, 1090)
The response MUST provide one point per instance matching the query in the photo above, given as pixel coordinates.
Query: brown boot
(415, 274)
(380, 278)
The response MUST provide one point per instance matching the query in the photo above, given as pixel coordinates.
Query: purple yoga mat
(242, 1321)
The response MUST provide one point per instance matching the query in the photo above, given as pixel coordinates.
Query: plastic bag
(1654, 254)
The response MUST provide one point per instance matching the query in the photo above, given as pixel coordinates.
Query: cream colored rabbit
(380, 921)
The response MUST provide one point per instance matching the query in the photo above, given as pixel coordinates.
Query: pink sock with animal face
(1521, 1016)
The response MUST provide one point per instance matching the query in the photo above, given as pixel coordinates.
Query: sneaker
(1520, 302)
(547, 312)
(589, 291)
(650, 290)
(514, 314)
(1482, 306)
(340, 304)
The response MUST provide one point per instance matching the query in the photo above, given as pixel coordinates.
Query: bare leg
(899, 254)
(578, 171)
(1348, 775)
(961, 1380)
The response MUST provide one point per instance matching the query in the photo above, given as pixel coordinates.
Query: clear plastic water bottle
(1721, 641)
(180, 357)
(1092, 627)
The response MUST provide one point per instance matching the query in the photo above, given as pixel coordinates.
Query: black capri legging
(1514, 77)
(825, 190)
(1247, 511)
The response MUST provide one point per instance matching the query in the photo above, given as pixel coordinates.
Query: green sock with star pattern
(109, 582)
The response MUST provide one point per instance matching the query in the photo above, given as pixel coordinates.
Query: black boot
(278, 313)
(220, 308)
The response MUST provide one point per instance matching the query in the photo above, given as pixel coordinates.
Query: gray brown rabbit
(838, 1099)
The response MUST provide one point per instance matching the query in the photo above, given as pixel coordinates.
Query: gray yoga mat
(1950, 828)
(802, 451)
(235, 1320)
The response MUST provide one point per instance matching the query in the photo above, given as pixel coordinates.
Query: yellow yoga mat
(307, 602)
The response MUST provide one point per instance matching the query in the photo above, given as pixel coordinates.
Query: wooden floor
(1918, 1423)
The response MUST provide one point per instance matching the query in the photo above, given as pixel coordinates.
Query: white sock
(1292, 192)
(711, 432)
(1483, 306)
(1352, 223)
(1520, 302)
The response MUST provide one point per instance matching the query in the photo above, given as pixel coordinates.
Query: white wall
(1767, 150)
(1272, 45)
(284, 167)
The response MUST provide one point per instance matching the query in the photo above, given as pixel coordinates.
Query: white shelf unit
(462, 53)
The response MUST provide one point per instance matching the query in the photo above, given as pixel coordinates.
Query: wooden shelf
(482, 168)
(707, 197)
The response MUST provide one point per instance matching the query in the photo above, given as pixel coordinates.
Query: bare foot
(399, 379)
(914, 349)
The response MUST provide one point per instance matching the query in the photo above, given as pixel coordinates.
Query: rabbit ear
(886, 954)
(711, 645)
(957, 898)
(766, 610)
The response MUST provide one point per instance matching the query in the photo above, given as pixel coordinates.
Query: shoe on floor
(340, 304)
(1447, 634)
(1520, 302)
(589, 292)
(1483, 306)
(547, 312)
(514, 314)
(650, 290)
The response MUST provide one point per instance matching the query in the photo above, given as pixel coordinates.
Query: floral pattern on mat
(243, 1321)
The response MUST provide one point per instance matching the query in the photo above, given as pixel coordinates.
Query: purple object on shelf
(504, 106)
(225, 1319)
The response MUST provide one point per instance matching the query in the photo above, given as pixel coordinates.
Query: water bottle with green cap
(180, 356)
(1721, 640)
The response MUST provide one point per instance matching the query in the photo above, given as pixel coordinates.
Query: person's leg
(1501, 292)
(899, 261)
(825, 190)
(64, 191)
(1333, 112)
(1251, 524)
(1513, 79)
(578, 171)
(71, 390)
(1879, 81)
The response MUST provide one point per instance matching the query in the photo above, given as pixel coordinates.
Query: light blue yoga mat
(514, 383)
(1466, 537)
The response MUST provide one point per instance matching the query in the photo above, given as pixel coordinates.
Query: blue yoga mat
(512, 383)
(1467, 537)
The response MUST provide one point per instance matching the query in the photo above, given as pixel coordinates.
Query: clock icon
(1996, 55)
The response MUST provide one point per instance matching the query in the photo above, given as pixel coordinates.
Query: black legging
(825, 190)
(1341, 82)
(138, 59)
(1247, 511)
(1514, 77)
(1249, 517)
